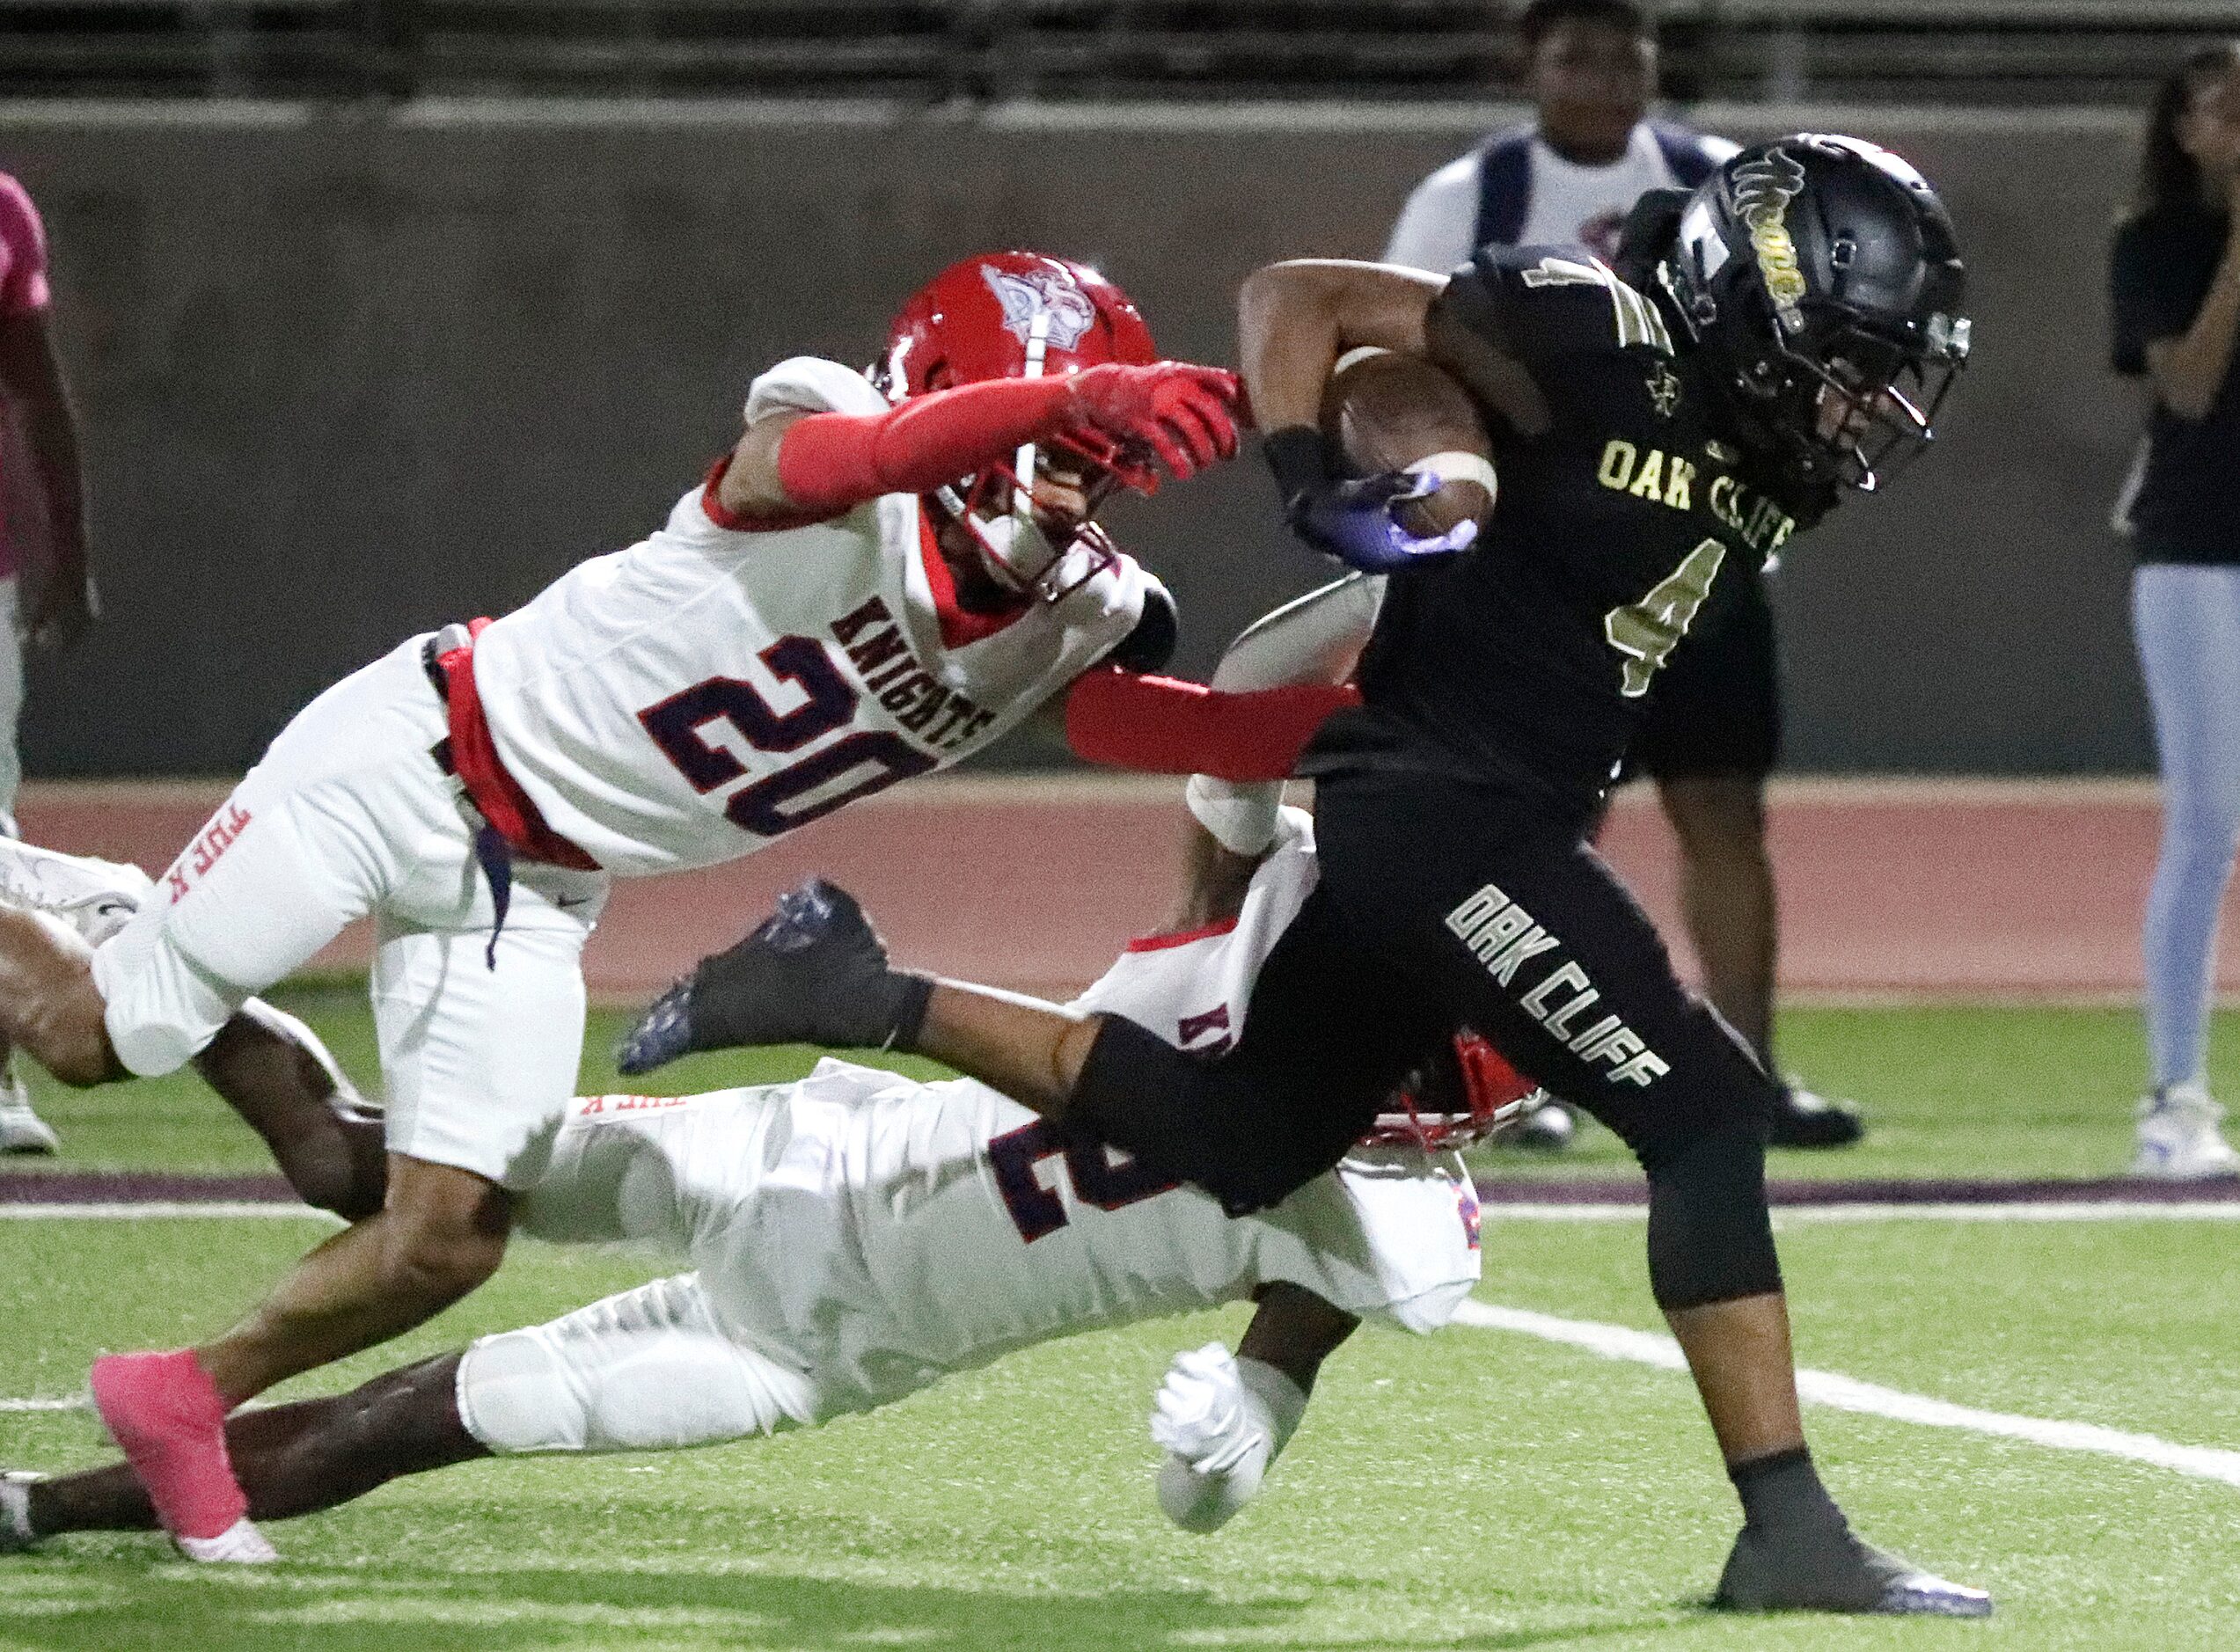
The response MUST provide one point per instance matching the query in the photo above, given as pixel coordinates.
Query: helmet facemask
(1463, 1093)
(1846, 406)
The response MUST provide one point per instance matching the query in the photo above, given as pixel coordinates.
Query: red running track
(1909, 889)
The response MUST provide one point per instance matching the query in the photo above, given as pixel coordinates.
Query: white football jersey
(684, 701)
(875, 1232)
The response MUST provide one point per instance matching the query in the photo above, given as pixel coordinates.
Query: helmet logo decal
(1762, 189)
(1042, 293)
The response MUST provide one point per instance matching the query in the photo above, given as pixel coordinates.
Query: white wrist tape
(1458, 467)
(1240, 816)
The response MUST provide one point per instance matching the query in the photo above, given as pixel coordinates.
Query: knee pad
(646, 1371)
(1710, 1236)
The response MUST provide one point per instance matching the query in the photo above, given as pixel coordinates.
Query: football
(1387, 412)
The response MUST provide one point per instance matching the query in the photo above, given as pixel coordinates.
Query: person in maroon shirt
(46, 577)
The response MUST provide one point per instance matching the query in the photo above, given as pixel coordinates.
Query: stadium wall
(351, 373)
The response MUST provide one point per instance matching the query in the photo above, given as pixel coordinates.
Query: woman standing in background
(2174, 285)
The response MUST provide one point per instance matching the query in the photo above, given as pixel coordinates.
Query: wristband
(1240, 816)
(1299, 458)
(1284, 1400)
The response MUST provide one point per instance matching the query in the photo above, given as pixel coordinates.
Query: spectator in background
(1714, 722)
(2174, 281)
(46, 582)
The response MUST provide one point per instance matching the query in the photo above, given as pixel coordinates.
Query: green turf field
(1479, 1488)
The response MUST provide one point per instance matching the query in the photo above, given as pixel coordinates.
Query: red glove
(1184, 414)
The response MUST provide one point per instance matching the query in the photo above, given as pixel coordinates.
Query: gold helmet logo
(1762, 190)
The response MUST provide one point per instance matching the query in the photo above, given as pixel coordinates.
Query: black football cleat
(813, 972)
(1839, 1573)
(1802, 1119)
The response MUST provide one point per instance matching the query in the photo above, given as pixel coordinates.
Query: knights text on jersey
(877, 1232)
(684, 701)
(1532, 656)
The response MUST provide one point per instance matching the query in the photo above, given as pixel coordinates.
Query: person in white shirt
(1713, 734)
(1570, 176)
(856, 1235)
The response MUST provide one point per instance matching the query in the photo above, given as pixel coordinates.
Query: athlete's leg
(273, 1072)
(441, 1234)
(480, 1063)
(1328, 1032)
(1515, 927)
(2188, 624)
(1727, 896)
(649, 1370)
(294, 1459)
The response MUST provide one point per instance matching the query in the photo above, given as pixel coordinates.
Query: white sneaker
(16, 1534)
(21, 1130)
(97, 898)
(2178, 1137)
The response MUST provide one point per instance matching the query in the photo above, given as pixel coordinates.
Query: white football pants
(349, 815)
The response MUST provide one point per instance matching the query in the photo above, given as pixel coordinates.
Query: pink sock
(168, 1418)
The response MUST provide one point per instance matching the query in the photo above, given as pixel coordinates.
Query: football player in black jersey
(1799, 329)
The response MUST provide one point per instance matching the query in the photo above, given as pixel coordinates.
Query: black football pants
(1445, 903)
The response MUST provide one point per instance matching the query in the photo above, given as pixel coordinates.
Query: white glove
(1222, 1422)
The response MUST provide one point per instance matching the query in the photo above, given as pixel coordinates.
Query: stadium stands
(941, 51)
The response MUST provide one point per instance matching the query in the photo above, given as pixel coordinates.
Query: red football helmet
(1021, 315)
(1455, 1100)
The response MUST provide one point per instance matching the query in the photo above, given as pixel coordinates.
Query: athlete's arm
(791, 467)
(1316, 638)
(1224, 1420)
(59, 601)
(1163, 725)
(1295, 319)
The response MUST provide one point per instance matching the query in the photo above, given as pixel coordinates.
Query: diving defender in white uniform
(886, 573)
(857, 1236)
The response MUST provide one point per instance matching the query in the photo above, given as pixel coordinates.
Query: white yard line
(74, 1402)
(1849, 1393)
(1862, 1210)
(137, 1211)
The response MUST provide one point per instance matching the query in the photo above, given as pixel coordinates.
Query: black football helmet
(1821, 282)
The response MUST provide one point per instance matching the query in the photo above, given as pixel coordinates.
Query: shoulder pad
(811, 384)
(1555, 300)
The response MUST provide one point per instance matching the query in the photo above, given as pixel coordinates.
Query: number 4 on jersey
(1647, 632)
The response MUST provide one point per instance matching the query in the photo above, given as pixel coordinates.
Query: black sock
(1781, 1492)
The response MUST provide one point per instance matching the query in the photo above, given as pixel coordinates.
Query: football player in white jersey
(887, 572)
(857, 1236)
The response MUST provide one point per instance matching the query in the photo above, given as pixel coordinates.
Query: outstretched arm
(1225, 1420)
(1282, 677)
(791, 468)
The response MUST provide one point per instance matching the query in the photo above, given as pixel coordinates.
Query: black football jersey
(1619, 514)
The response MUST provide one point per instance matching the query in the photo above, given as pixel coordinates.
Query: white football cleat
(240, 1544)
(2178, 1139)
(16, 1534)
(95, 898)
(21, 1130)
